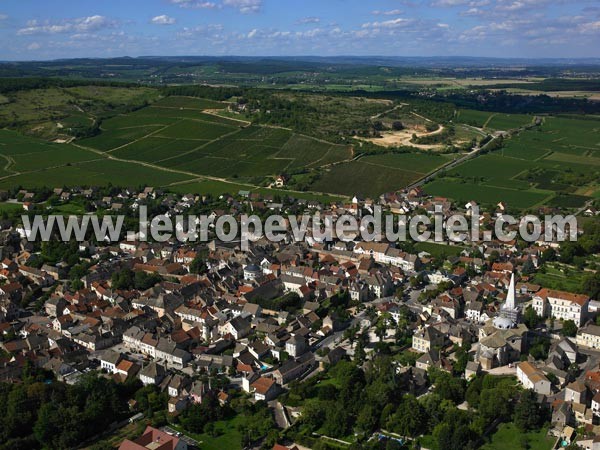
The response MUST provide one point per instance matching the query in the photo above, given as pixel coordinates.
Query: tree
(336, 422)
(359, 352)
(397, 125)
(530, 318)
(528, 267)
(569, 328)
(528, 413)
(198, 265)
(591, 284)
(409, 417)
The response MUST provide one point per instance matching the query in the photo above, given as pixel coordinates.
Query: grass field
(439, 250)
(227, 435)
(508, 121)
(474, 118)
(556, 277)
(508, 436)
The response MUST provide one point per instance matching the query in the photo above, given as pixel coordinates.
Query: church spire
(510, 296)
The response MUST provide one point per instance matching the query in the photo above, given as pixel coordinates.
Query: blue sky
(47, 29)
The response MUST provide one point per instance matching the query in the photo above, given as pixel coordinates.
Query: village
(282, 313)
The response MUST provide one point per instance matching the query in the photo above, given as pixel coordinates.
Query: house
(533, 378)
(576, 392)
(177, 404)
(127, 370)
(473, 311)
(178, 385)
(296, 345)
(238, 327)
(589, 336)
(264, 389)
(280, 181)
(197, 391)
(109, 361)
(562, 415)
(472, 370)
(427, 360)
(153, 439)
(596, 404)
(289, 371)
(561, 305)
(153, 373)
(427, 339)
(54, 306)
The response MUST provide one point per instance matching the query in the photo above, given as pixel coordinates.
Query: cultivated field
(373, 175)
(187, 142)
(173, 140)
(557, 163)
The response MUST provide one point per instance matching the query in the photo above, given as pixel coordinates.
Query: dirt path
(377, 116)
(9, 163)
(213, 112)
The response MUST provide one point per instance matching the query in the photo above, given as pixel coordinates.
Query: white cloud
(79, 25)
(307, 20)
(195, 4)
(252, 33)
(244, 6)
(33, 46)
(394, 23)
(213, 30)
(3, 17)
(449, 3)
(589, 28)
(163, 20)
(392, 12)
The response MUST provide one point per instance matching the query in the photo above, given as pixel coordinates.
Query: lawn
(439, 250)
(10, 207)
(508, 436)
(227, 435)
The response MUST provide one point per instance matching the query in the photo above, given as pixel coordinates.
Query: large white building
(561, 305)
(533, 378)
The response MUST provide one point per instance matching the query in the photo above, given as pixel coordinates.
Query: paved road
(280, 415)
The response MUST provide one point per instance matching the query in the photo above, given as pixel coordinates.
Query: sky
(50, 29)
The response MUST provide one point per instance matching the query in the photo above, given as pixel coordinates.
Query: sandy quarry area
(403, 137)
